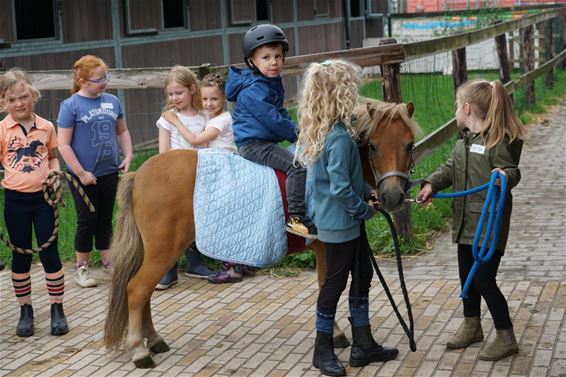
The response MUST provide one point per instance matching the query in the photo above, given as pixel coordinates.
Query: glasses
(103, 80)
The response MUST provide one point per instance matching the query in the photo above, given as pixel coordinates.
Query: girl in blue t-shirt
(91, 133)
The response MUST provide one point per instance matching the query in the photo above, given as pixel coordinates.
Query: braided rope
(53, 195)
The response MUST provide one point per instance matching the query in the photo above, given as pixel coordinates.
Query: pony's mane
(383, 111)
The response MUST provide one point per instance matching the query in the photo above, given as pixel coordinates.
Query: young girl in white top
(183, 113)
(218, 135)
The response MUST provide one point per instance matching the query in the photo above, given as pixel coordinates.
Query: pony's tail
(127, 256)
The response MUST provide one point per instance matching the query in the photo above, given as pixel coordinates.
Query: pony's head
(387, 135)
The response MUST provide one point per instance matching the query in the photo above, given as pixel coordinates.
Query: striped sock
(22, 288)
(55, 286)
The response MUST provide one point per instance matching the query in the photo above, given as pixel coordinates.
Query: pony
(155, 221)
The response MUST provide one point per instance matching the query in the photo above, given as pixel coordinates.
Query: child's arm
(64, 139)
(125, 141)
(204, 137)
(506, 159)
(53, 162)
(164, 140)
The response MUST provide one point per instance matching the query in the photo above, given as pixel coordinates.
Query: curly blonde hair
(329, 94)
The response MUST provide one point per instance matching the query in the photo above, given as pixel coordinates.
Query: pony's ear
(410, 108)
(371, 109)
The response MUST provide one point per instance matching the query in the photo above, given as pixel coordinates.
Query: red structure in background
(425, 6)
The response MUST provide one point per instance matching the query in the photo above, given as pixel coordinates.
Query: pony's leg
(155, 342)
(340, 340)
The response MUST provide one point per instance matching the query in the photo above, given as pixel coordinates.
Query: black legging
(97, 225)
(484, 285)
(340, 261)
(23, 212)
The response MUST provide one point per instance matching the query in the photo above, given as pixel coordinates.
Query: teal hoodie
(340, 194)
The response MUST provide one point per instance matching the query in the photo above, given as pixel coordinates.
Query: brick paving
(264, 326)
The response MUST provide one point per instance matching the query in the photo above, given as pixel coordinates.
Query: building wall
(422, 6)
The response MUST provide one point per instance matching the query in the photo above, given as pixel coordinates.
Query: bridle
(395, 173)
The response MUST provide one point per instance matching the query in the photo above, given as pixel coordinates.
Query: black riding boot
(324, 357)
(24, 327)
(58, 320)
(195, 267)
(365, 350)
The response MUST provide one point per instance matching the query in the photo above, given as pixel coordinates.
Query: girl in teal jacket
(492, 140)
(342, 202)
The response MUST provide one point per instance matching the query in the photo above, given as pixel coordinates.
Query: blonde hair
(82, 69)
(12, 78)
(329, 94)
(494, 106)
(185, 77)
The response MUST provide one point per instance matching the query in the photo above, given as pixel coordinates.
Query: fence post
(529, 61)
(459, 67)
(560, 44)
(501, 47)
(391, 76)
(549, 77)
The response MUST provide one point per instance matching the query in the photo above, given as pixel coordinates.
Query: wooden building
(427, 6)
(52, 34)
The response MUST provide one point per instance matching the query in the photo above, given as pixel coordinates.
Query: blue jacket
(340, 192)
(259, 112)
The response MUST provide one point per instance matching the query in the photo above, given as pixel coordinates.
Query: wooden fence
(389, 56)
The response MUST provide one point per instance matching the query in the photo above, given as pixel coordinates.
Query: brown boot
(470, 332)
(504, 345)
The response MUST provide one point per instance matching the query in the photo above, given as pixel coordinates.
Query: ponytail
(501, 120)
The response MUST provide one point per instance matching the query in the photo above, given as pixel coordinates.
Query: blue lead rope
(494, 202)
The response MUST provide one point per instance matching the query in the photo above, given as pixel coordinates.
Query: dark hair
(213, 79)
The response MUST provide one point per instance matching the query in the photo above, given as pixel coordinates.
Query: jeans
(484, 285)
(271, 154)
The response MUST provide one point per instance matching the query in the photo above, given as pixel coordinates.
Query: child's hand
(87, 178)
(425, 195)
(125, 165)
(501, 171)
(170, 116)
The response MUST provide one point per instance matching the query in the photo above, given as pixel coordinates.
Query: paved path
(264, 326)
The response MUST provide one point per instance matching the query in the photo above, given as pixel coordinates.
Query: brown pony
(155, 222)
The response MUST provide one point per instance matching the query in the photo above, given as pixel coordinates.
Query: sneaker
(247, 271)
(169, 280)
(107, 269)
(84, 279)
(301, 226)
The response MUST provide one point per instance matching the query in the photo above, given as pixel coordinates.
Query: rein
(53, 195)
(409, 330)
(494, 203)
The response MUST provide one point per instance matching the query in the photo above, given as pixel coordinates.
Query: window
(241, 12)
(261, 10)
(321, 8)
(34, 19)
(355, 9)
(173, 14)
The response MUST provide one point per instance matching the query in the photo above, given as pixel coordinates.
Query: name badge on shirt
(476, 148)
(107, 105)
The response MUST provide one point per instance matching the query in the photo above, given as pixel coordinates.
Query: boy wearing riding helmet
(260, 121)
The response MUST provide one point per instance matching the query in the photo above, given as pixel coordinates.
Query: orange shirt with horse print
(25, 158)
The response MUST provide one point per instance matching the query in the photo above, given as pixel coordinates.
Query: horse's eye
(372, 147)
(410, 147)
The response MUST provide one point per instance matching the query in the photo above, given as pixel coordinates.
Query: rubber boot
(505, 344)
(324, 357)
(366, 350)
(470, 332)
(195, 267)
(58, 320)
(24, 327)
(169, 280)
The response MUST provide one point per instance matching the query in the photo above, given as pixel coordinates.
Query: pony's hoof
(159, 347)
(340, 341)
(144, 363)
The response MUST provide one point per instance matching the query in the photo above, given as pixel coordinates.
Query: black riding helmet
(261, 35)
